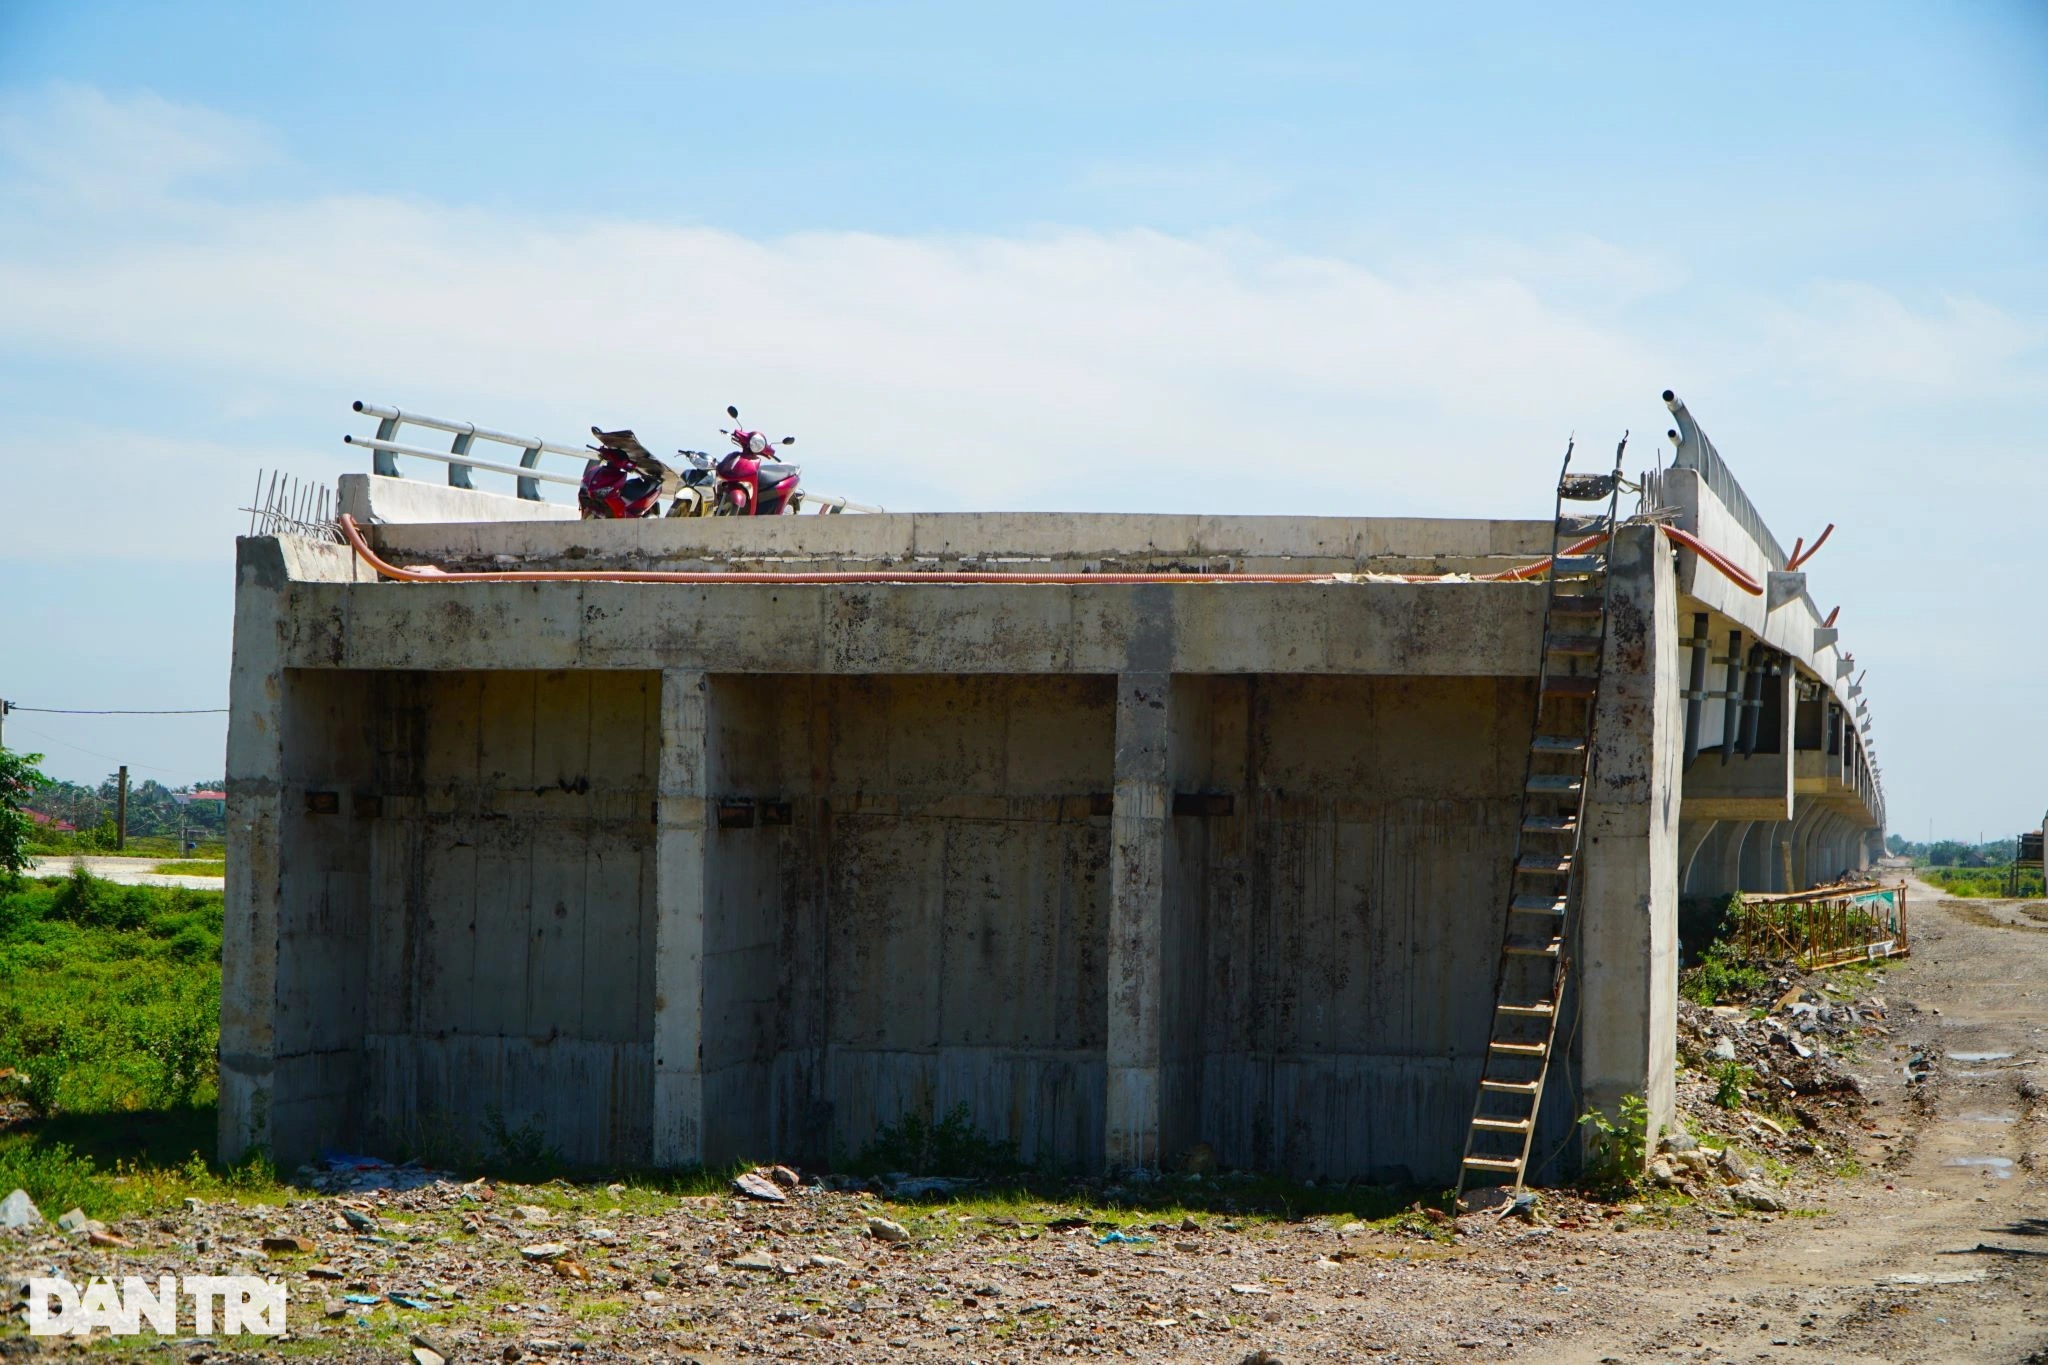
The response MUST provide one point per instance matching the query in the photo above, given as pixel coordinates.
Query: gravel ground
(1901, 1237)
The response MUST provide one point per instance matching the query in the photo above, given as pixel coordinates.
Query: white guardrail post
(385, 448)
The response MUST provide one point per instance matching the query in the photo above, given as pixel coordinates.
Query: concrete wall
(1335, 934)
(684, 873)
(376, 499)
(926, 930)
(455, 942)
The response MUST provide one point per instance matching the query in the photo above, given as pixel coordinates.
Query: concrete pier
(676, 873)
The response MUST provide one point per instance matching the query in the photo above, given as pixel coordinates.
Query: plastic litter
(1125, 1237)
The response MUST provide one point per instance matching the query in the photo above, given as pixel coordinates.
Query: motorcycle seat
(771, 472)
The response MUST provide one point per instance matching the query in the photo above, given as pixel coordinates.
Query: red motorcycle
(625, 480)
(749, 483)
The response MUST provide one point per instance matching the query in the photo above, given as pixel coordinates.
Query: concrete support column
(683, 811)
(1140, 824)
(1730, 870)
(1626, 967)
(1693, 836)
(255, 888)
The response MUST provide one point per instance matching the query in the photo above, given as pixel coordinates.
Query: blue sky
(953, 246)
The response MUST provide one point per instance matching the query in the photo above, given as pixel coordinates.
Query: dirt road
(126, 871)
(1940, 1253)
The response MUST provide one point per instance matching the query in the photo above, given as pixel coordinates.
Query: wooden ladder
(1529, 982)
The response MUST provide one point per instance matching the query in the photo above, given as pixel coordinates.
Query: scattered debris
(754, 1185)
(17, 1210)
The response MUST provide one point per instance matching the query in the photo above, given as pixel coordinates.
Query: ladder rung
(1554, 783)
(1572, 644)
(1571, 684)
(1577, 566)
(1558, 744)
(1577, 604)
(1538, 905)
(1520, 1049)
(1502, 1125)
(1509, 1087)
(1531, 949)
(1493, 1163)
(1543, 1009)
(1537, 864)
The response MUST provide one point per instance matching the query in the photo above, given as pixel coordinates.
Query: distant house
(50, 822)
(219, 799)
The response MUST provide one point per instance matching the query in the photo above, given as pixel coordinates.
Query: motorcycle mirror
(732, 412)
(789, 440)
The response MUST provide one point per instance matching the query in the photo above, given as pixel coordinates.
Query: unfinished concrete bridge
(1127, 832)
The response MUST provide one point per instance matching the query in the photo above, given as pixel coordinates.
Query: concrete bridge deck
(692, 872)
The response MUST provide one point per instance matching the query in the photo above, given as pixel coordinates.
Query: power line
(60, 711)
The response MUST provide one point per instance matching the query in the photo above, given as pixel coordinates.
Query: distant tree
(18, 780)
(1947, 853)
(1895, 844)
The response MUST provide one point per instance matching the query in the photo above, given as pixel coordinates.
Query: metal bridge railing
(385, 449)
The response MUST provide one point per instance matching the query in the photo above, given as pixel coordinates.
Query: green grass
(113, 999)
(192, 867)
(1979, 883)
(47, 845)
(111, 1021)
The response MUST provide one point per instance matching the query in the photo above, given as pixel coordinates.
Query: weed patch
(1722, 976)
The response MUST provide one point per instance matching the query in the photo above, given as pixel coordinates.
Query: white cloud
(1856, 333)
(1060, 368)
(78, 143)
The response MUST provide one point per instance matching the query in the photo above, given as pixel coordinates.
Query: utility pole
(5, 707)
(121, 812)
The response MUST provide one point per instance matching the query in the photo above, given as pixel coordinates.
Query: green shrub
(1731, 1081)
(1620, 1145)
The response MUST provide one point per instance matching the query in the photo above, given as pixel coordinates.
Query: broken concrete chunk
(545, 1251)
(1754, 1194)
(883, 1230)
(73, 1221)
(754, 1260)
(759, 1187)
(17, 1210)
(1736, 1168)
(785, 1177)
